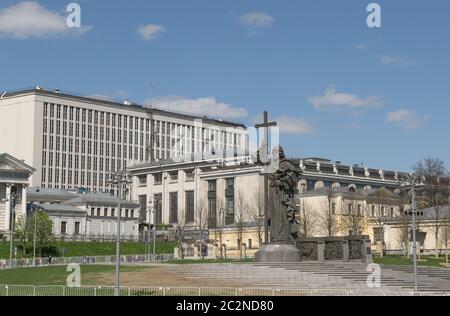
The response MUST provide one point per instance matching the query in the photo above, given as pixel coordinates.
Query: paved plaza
(336, 275)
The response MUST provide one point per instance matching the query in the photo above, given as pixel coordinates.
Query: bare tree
(379, 214)
(241, 217)
(404, 222)
(327, 219)
(257, 215)
(308, 220)
(435, 194)
(201, 218)
(445, 237)
(353, 218)
(219, 229)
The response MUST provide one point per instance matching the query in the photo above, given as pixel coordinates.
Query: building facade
(226, 197)
(14, 179)
(85, 216)
(75, 142)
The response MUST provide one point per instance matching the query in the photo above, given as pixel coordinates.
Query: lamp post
(34, 237)
(14, 197)
(118, 180)
(412, 182)
(154, 234)
(149, 214)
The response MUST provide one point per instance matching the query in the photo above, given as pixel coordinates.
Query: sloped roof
(61, 208)
(100, 200)
(49, 195)
(18, 165)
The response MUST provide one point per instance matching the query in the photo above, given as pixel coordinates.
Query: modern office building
(74, 141)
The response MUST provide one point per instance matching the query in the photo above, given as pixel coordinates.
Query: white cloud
(289, 124)
(394, 60)
(407, 119)
(337, 100)
(201, 107)
(293, 125)
(366, 45)
(29, 19)
(256, 20)
(151, 31)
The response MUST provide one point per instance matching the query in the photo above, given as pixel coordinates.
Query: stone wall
(335, 248)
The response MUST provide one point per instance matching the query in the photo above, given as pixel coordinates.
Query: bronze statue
(283, 226)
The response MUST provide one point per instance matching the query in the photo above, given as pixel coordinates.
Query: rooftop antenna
(151, 87)
(3, 94)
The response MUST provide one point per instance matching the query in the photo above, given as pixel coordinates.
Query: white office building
(75, 142)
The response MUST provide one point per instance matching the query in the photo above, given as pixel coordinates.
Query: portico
(14, 179)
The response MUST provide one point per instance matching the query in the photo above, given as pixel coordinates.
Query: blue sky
(339, 89)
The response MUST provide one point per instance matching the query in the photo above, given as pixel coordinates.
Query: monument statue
(283, 226)
(282, 208)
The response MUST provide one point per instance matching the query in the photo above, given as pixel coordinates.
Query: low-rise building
(225, 197)
(14, 179)
(83, 215)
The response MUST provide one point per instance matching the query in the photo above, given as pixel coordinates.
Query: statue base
(278, 252)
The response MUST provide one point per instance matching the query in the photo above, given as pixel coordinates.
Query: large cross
(265, 145)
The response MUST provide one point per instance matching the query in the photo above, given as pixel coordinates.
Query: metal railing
(61, 290)
(41, 262)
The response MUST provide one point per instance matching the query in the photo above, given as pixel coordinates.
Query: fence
(40, 262)
(61, 290)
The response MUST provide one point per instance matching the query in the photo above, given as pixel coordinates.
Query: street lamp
(118, 180)
(412, 182)
(150, 212)
(13, 200)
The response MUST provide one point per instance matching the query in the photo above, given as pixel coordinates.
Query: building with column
(75, 142)
(225, 197)
(14, 179)
(79, 215)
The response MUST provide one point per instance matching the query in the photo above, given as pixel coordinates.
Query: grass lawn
(57, 275)
(189, 261)
(404, 261)
(77, 249)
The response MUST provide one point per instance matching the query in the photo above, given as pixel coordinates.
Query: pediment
(10, 163)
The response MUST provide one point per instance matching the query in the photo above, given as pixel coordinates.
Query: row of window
(63, 228)
(94, 117)
(173, 177)
(110, 212)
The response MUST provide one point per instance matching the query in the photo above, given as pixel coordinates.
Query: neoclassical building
(224, 197)
(80, 215)
(14, 179)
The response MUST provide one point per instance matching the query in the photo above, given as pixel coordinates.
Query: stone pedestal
(278, 252)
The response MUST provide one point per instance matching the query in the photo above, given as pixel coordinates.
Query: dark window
(157, 178)
(143, 208)
(158, 207)
(212, 204)
(77, 228)
(63, 228)
(173, 206)
(189, 206)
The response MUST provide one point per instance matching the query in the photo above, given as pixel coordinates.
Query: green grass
(190, 261)
(426, 261)
(77, 249)
(56, 275)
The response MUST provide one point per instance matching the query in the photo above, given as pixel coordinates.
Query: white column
(8, 206)
(24, 202)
